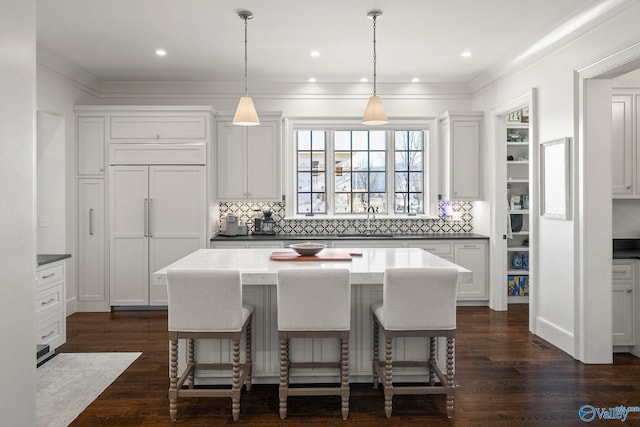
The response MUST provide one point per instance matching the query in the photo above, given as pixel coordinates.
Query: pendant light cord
(246, 78)
(374, 55)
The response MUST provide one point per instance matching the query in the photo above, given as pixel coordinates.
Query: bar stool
(416, 302)
(207, 304)
(314, 303)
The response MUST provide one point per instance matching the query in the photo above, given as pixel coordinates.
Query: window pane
(304, 203)
(317, 161)
(360, 160)
(359, 202)
(317, 140)
(342, 203)
(342, 140)
(304, 181)
(377, 182)
(415, 160)
(415, 182)
(401, 182)
(304, 161)
(377, 140)
(400, 140)
(415, 203)
(319, 204)
(304, 139)
(379, 202)
(377, 160)
(318, 182)
(415, 140)
(401, 202)
(401, 161)
(343, 183)
(360, 140)
(409, 172)
(359, 181)
(343, 162)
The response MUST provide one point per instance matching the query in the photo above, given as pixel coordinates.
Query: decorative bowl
(308, 249)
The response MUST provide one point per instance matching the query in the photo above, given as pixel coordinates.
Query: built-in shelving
(515, 136)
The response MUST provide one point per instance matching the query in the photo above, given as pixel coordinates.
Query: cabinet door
(177, 223)
(90, 142)
(465, 167)
(622, 304)
(129, 247)
(263, 170)
(91, 242)
(621, 145)
(472, 256)
(232, 160)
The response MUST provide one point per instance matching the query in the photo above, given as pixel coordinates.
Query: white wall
(553, 76)
(17, 215)
(57, 96)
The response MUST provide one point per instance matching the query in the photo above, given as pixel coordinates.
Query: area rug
(69, 382)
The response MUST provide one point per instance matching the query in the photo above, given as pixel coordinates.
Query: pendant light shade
(374, 114)
(246, 114)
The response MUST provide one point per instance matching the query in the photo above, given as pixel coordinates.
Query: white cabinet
(244, 245)
(461, 141)
(159, 127)
(90, 140)
(623, 166)
(623, 302)
(367, 244)
(157, 216)
(472, 256)
(50, 303)
(248, 160)
(92, 289)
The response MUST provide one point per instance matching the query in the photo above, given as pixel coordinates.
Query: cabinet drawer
(158, 128)
(622, 271)
(46, 277)
(435, 248)
(51, 331)
(49, 301)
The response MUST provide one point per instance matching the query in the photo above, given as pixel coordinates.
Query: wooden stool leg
(376, 356)
(388, 377)
(451, 343)
(191, 360)
(248, 357)
(173, 379)
(284, 376)
(432, 360)
(235, 396)
(344, 377)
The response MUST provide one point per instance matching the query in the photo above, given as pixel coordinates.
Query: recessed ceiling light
(161, 52)
(314, 53)
(312, 80)
(364, 79)
(466, 54)
(415, 79)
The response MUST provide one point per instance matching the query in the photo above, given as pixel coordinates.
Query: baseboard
(555, 335)
(71, 306)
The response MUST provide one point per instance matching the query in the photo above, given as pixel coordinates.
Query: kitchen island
(259, 276)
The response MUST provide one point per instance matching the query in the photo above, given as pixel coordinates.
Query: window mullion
(330, 174)
(390, 172)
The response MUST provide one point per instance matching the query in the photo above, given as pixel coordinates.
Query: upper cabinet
(158, 127)
(461, 141)
(90, 140)
(624, 165)
(248, 159)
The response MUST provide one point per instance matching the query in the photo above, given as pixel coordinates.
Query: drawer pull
(48, 302)
(47, 335)
(469, 246)
(619, 271)
(91, 222)
(629, 291)
(48, 276)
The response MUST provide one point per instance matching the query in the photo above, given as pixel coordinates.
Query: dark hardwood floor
(505, 377)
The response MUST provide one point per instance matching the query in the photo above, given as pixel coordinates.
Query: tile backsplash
(382, 224)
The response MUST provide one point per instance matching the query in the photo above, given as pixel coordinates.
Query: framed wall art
(555, 179)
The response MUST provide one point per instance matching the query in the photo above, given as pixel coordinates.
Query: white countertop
(258, 269)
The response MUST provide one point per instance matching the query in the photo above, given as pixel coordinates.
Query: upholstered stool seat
(417, 302)
(314, 303)
(207, 304)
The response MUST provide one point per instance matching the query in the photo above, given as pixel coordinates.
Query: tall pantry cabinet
(142, 201)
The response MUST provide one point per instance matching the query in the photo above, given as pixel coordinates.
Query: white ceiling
(115, 40)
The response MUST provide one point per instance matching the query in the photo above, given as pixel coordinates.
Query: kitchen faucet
(369, 210)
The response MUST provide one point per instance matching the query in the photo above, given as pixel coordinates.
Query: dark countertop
(279, 237)
(626, 248)
(49, 258)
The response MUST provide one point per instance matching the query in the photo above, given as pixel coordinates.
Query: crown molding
(55, 65)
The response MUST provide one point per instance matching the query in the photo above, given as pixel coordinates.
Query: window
(346, 171)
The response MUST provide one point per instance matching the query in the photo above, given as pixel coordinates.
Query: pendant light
(246, 114)
(374, 114)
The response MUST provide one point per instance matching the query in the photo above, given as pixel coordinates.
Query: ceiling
(116, 40)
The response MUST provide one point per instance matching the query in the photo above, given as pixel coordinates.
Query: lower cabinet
(50, 315)
(623, 302)
(472, 256)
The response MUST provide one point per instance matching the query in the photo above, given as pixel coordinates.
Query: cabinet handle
(48, 275)
(619, 271)
(150, 217)
(629, 291)
(47, 335)
(146, 217)
(90, 222)
(43, 303)
(468, 246)
(629, 187)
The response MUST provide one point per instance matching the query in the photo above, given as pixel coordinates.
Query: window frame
(431, 166)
